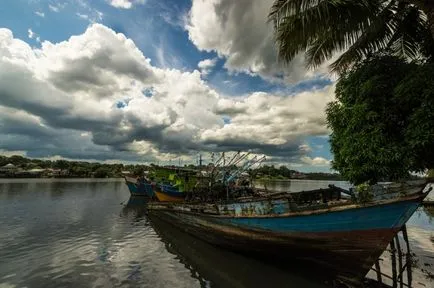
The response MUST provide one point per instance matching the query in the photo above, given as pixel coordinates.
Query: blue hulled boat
(342, 235)
(139, 187)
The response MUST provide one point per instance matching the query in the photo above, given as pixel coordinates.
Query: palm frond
(374, 38)
(296, 32)
(408, 37)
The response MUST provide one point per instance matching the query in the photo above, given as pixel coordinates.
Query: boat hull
(138, 188)
(165, 197)
(167, 193)
(345, 242)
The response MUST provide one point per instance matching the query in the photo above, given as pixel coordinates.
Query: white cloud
(40, 14)
(272, 119)
(238, 31)
(30, 33)
(33, 35)
(206, 65)
(67, 94)
(99, 15)
(317, 161)
(125, 4)
(54, 8)
(305, 147)
(9, 153)
(83, 16)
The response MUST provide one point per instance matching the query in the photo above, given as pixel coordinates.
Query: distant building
(298, 175)
(56, 172)
(36, 172)
(8, 168)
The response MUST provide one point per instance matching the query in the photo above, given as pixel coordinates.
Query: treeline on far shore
(18, 166)
(21, 167)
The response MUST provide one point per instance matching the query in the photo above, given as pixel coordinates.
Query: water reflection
(87, 233)
(215, 267)
(429, 210)
(135, 208)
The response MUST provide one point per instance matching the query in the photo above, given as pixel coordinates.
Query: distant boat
(316, 226)
(139, 187)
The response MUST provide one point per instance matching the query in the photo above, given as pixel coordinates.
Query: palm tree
(358, 28)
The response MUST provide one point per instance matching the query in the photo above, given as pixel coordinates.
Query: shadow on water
(135, 208)
(215, 267)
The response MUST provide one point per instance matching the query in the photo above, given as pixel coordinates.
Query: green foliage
(73, 168)
(320, 29)
(267, 172)
(61, 164)
(383, 120)
(138, 171)
(431, 173)
(101, 172)
(364, 193)
(272, 172)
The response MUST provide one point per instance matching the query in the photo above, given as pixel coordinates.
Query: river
(89, 233)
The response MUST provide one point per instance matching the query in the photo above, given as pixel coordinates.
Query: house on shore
(8, 170)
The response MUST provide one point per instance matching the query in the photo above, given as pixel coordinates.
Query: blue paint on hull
(171, 191)
(393, 215)
(141, 189)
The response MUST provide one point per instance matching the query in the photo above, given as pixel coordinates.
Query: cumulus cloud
(40, 14)
(317, 161)
(206, 65)
(97, 96)
(238, 31)
(271, 120)
(125, 4)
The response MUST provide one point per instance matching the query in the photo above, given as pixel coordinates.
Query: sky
(153, 81)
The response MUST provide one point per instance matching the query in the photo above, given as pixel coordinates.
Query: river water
(89, 233)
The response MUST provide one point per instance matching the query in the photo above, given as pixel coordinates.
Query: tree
(323, 28)
(383, 120)
(18, 160)
(139, 171)
(101, 172)
(61, 164)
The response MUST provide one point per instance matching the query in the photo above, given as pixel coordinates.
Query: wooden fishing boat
(318, 226)
(168, 193)
(140, 187)
(172, 183)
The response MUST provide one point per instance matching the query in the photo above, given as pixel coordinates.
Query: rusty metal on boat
(319, 226)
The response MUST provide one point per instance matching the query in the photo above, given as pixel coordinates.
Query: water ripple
(76, 234)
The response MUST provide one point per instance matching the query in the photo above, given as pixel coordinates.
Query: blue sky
(175, 39)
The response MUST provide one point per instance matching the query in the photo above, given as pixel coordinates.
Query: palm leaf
(411, 26)
(299, 27)
(321, 28)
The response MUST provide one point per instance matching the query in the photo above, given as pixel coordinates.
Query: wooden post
(408, 256)
(378, 271)
(393, 256)
(398, 247)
